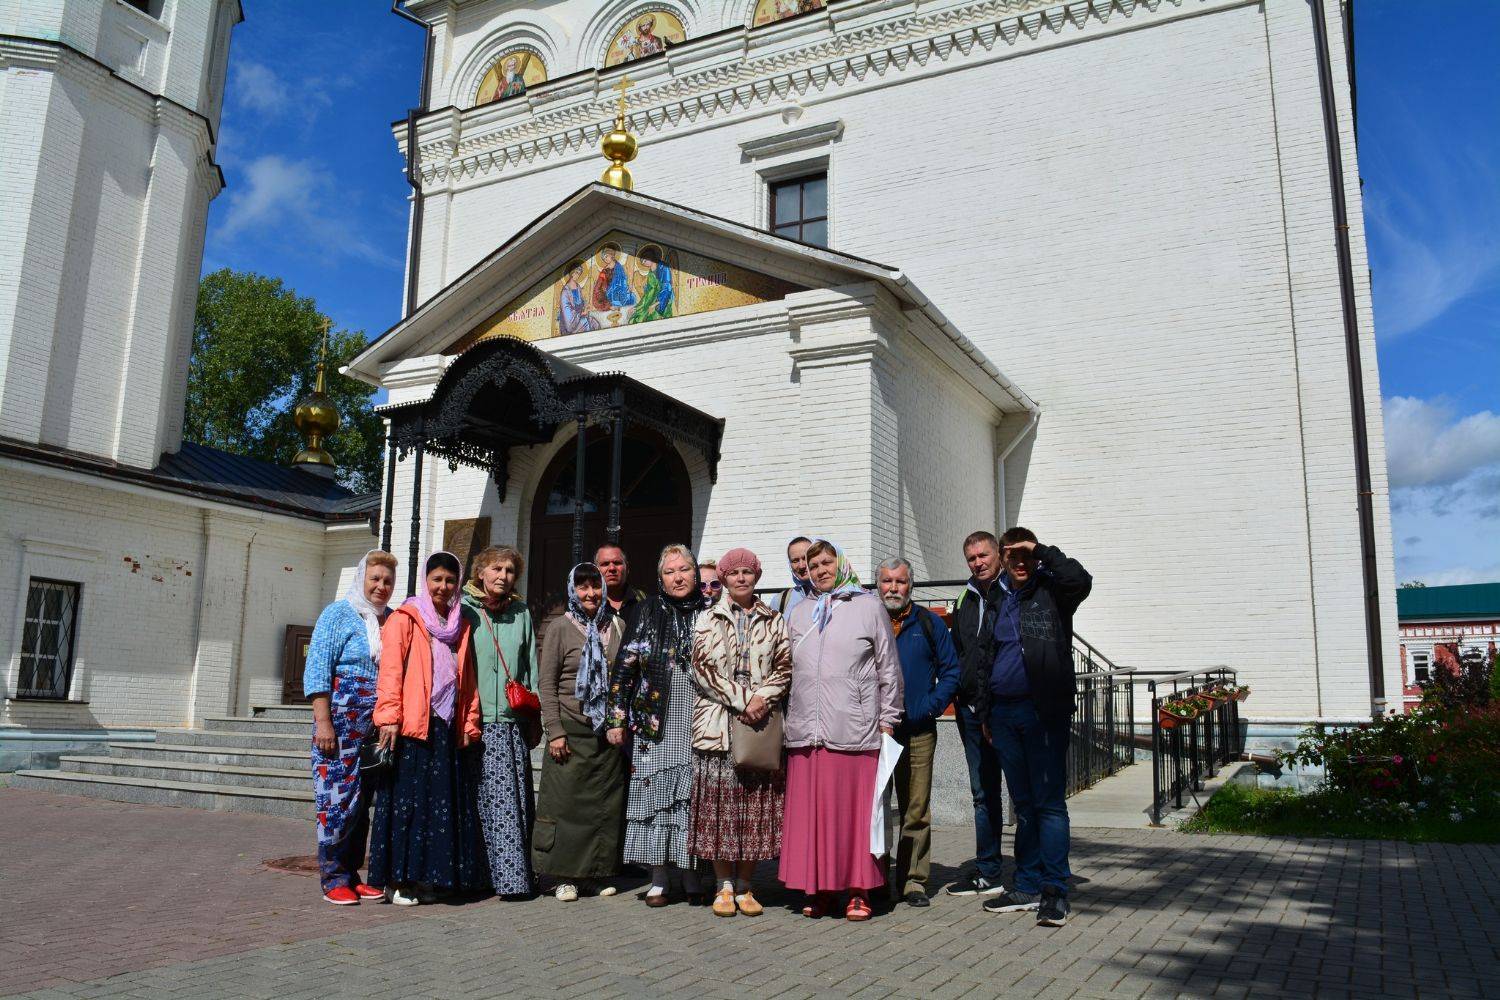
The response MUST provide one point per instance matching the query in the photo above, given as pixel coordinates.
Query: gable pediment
(624, 279)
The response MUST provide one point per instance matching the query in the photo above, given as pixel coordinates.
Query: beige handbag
(757, 748)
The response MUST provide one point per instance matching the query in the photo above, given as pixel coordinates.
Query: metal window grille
(799, 209)
(47, 639)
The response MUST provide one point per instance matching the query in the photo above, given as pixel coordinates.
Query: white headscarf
(367, 612)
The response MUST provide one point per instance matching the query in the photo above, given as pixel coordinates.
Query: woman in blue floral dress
(342, 661)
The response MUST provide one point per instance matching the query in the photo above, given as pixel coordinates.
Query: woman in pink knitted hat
(742, 664)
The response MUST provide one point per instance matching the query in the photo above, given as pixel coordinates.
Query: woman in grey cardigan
(579, 813)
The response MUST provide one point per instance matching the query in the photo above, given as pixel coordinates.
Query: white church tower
(109, 111)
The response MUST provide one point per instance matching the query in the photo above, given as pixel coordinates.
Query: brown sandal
(657, 900)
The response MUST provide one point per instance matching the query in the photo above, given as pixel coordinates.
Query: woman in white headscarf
(342, 661)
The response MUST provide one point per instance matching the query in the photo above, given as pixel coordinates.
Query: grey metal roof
(211, 473)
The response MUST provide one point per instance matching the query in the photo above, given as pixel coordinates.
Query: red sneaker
(369, 892)
(342, 895)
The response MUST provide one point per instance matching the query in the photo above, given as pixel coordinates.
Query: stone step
(256, 724)
(191, 771)
(288, 760)
(191, 794)
(225, 738)
(297, 713)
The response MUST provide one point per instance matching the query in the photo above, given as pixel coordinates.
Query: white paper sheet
(890, 753)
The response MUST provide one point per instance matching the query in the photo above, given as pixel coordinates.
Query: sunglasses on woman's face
(711, 586)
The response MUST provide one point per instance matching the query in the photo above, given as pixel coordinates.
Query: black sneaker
(976, 886)
(1053, 911)
(1011, 901)
(917, 899)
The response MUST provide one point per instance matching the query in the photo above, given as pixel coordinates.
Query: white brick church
(891, 271)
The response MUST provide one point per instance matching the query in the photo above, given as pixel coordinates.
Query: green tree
(255, 353)
(1413, 585)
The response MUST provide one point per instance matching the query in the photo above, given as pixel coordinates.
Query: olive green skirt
(580, 808)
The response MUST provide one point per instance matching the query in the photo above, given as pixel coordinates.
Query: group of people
(693, 733)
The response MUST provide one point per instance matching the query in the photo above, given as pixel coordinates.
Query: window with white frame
(47, 639)
(1421, 667)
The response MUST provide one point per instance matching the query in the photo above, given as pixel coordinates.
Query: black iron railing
(1103, 727)
(1195, 730)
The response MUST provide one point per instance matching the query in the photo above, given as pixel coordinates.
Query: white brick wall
(1131, 217)
(168, 612)
(106, 127)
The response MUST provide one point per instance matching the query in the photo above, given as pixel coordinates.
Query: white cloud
(256, 87)
(1435, 236)
(1427, 444)
(1462, 574)
(296, 204)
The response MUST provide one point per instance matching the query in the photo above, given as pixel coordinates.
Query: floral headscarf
(847, 582)
(657, 648)
(592, 686)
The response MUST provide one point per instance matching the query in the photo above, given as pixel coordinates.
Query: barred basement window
(47, 640)
(799, 209)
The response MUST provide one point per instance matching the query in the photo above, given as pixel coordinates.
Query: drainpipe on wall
(1002, 507)
(1363, 490)
(414, 242)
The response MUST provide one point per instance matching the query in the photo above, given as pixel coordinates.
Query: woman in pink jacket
(846, 692)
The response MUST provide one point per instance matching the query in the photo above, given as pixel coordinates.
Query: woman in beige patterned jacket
(742, 663)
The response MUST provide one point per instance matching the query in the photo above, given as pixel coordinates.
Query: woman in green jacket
(504, 650)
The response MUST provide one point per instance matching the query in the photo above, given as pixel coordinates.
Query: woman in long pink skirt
(846, 692)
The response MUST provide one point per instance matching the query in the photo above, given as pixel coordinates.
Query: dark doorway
(656, 510)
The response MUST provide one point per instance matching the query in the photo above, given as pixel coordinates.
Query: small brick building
(1438, 622)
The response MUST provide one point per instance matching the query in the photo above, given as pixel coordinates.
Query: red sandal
(858, 909)
(815, 907)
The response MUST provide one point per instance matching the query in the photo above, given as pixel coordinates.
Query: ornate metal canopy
(503, 392)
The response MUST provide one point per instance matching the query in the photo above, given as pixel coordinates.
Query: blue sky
(316, 196)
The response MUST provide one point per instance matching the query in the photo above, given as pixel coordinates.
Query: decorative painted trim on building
(855, 49)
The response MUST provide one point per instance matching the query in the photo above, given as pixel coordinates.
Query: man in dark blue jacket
(929, 669)
(1027, 702)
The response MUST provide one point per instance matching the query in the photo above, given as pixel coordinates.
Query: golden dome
(315, 416)
(619, 146)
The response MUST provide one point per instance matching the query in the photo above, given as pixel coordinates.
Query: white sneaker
(606, 890)
(566, 893)
(399, 897)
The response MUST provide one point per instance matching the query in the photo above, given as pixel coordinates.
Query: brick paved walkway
(101, 899)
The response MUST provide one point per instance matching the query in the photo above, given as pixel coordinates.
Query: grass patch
(1282, 812)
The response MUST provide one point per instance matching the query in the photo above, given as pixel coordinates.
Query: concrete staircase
(258, 763)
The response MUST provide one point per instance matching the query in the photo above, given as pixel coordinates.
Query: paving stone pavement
(103, 899)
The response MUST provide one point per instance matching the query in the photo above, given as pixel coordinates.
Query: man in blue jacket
(929, 668)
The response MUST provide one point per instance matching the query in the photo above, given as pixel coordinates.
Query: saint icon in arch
(511, 74)
(645, 35)
(767, 11)
(573, 314)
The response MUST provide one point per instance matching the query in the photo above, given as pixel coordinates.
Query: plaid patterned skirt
(735, 817)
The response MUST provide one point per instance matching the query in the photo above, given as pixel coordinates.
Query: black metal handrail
(1185, 752)
(1103, 737)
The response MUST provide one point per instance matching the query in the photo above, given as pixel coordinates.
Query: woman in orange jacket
(424, 839)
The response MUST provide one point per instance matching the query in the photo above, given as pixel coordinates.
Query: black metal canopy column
(390, 490)
(617, 459)
(413, 552)
(578, 487)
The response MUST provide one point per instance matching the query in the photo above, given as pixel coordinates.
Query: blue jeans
(984, 787)
(1033, 757)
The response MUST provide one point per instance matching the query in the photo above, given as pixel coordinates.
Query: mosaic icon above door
(624, 281)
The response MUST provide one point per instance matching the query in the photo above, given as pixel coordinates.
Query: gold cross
(625, 84)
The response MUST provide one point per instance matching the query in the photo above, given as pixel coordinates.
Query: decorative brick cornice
(734, 72)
